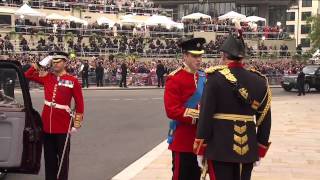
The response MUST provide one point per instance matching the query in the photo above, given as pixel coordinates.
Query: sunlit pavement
(295, 150)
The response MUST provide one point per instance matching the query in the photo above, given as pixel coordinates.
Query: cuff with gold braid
(193, 113)
(199, 147)
(263, 149)
(78, 120)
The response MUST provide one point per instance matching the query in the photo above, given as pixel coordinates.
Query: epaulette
(175, 71)
(213, 69)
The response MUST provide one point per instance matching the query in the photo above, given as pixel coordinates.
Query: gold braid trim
(213, 69)
(266, 108)
(228, 75)
(78, 120)
(268, 96)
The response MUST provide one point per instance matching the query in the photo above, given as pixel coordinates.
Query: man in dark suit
(235, 103)
(85, 74)
(301, 82)
(160, 73)
(124, 72)
(99, 74)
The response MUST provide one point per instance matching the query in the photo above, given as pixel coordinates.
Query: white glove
(200, 161)
(73, 130)
(46, 61)
(257, 163)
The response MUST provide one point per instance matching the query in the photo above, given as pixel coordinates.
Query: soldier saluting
(234, 104)
(57, 117)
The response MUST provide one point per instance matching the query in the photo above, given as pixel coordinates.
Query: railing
(91, 7)
(143, 79)
(84, 31)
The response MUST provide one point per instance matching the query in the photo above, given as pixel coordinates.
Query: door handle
(3, 116)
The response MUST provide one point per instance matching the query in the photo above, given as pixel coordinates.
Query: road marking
(157, 98)
(132, 170)
(115, 99)
(128, 99)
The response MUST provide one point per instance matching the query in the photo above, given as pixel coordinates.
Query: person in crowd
(124, 73)
(99, 74)
(85, 74)
(160, 71)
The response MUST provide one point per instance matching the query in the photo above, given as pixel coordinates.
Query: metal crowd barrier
(143, 79)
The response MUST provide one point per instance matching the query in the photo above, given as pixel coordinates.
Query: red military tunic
(59, 90)
(180, 86)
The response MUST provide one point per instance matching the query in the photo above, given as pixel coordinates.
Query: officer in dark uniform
(301, 82)
(235, 103)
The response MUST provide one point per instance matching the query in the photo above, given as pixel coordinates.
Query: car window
(310, 69)
(10, 90)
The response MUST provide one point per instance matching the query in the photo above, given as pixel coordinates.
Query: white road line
(128, 99)
(132, 170)
(157, 98)
(115, 99)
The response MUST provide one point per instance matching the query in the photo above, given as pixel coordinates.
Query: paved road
(120, 126)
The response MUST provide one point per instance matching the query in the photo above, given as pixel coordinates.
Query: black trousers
(230, 171)
(85, 81)
(301, 88)
(123, 81)
(53, 148)
(99, 81)
(185, 166)
(160, 81)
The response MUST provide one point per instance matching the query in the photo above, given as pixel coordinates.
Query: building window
(306, 3)
(277, 14)
(305, 42)
(290, 29)
(5, 19)
(305, 29)
(248, 10)
(305, 15)
(291, 16)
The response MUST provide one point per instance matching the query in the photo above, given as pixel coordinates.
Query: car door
(20, 124)
(317, 79)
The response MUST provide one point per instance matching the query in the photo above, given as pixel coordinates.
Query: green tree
(314, 34)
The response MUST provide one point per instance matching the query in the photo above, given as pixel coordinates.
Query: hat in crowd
(234, 48)
(193, 46)
(57, 56)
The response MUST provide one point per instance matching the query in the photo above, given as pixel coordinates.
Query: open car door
(20, 124)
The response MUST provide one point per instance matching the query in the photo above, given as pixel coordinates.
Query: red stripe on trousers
(176, 166)
(211, 171)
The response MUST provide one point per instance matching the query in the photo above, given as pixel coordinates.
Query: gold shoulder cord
(266, 108)
(213, 69)
(228, 75)
(268, 96)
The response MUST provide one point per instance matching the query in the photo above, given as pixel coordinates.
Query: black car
(312, 79)
(20, 123)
